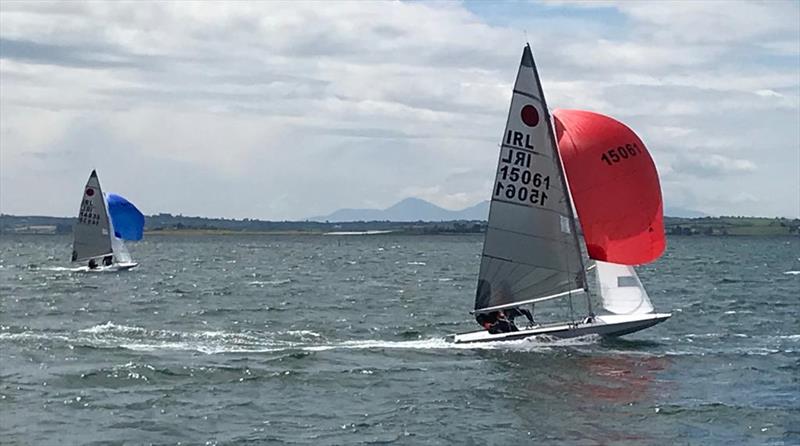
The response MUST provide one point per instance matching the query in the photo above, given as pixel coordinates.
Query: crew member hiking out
(515, 312)
(496, 322)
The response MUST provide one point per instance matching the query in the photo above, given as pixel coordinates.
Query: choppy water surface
(341, 340)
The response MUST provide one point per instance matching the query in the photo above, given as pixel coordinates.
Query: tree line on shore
(168, 223)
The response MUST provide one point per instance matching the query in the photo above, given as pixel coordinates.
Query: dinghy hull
(107, 269)
(605, 325)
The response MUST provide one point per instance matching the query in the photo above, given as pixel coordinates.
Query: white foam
(112, 335)
(202, 348)
(792, 273)
(358, 232)
(303, 333)
(527, 344)
(270, 282)
(416, 263)
(110, 327)
(29, 335)
(792, 337)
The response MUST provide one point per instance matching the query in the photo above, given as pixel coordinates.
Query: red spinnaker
(614, 185)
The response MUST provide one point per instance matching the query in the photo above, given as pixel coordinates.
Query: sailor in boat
(496, 322)
(108, 260)
(515, 312)
(92, 264)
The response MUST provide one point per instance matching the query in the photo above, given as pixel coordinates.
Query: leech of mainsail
(531, 250)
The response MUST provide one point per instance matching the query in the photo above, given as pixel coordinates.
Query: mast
(563, 175)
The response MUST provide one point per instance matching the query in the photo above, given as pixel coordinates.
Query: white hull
(604, 325)
(107, 269)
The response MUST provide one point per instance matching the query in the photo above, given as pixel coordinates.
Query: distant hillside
(167, 223)
(731, 226)
(416, 209)
(679, 212)
(410, 209)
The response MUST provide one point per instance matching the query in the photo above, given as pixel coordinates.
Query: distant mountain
(410, 209)
(417, 209)
(683, 213)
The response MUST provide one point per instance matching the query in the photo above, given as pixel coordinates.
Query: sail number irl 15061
(613, 156)
(516, 182)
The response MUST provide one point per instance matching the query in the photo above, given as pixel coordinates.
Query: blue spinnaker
(127, 220)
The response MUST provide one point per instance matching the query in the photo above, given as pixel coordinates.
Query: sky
(281, 111)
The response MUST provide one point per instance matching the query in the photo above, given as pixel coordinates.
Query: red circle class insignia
(529, 115)
(89, 191)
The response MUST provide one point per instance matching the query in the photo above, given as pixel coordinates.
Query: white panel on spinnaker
(621, 290)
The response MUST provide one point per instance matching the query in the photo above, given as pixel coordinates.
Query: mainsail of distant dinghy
(94, 239)
(531, 251)
(91, 231)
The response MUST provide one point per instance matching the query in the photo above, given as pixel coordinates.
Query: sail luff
(499, 157)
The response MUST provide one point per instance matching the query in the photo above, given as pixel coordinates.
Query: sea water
(342, 340)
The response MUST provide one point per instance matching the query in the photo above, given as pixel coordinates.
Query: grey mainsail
(92, 232)
(531, 251)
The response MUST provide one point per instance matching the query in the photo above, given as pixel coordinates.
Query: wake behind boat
(103, 223)
(605, 325)
(532, 251)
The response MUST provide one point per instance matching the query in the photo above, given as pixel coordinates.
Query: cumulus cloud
(712, 165)
(291, 109)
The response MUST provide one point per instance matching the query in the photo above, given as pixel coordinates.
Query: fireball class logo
(523, 140)
(529, 115)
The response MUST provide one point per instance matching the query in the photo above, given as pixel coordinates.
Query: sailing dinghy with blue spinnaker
(533, 253)
(103, 223)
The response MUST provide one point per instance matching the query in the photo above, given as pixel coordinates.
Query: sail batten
(530, 250)
(574, 292)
